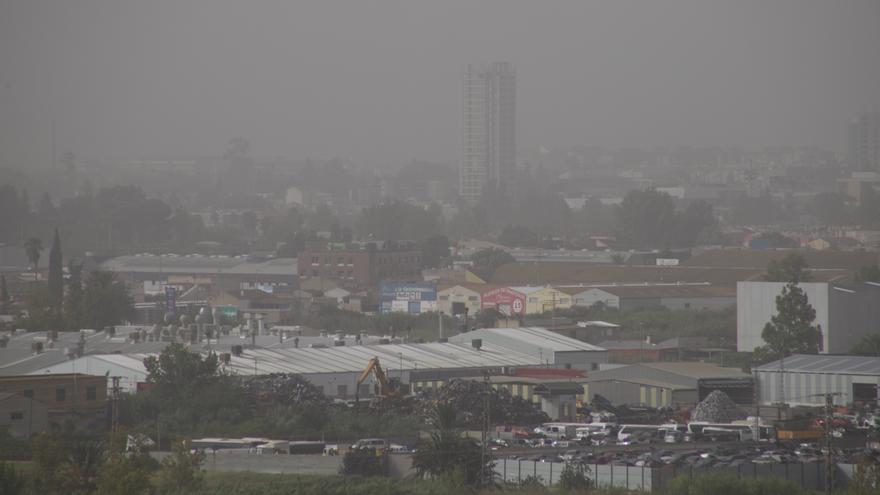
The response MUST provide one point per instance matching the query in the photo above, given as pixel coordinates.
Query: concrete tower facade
(489, 130)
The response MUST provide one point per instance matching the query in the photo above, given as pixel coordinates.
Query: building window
(314, 273)
(364, 389)
(29, 393)
(533, 299)
(91, 393)
(594, 366)
(342, 390)
(60, 394)
(16, 416)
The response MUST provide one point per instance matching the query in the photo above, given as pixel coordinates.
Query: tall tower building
(863, 153)
(488, 158)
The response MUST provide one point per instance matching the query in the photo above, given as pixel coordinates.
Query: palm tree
(33, 247)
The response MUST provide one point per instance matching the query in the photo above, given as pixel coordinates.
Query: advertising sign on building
(410, 298)
(170, 298)
(506, 301)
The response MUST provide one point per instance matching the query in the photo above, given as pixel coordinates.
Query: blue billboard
(408, 297)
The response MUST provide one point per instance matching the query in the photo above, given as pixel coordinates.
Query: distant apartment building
(863, 153)
(489, 130)
(360, 264)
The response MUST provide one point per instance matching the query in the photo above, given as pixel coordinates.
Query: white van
(557, 431)
(594, 430)
(635, 433)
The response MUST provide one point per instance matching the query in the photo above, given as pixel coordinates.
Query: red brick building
(360, 264)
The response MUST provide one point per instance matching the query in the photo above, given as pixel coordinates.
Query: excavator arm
(375, 368)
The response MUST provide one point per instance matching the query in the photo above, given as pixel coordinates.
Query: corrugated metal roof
(351, 358)
(537, 336)
(822, 363)
(696, 369)
(193, 264)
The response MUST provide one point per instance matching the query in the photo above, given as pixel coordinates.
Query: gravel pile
(717, 407)
(283, 388)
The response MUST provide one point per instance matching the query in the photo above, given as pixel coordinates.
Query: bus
(738, 430)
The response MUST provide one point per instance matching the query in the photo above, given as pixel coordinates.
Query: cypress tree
(56, 276)
(4, 295)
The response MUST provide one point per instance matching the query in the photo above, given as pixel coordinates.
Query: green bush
(725, 484)
(363, 462)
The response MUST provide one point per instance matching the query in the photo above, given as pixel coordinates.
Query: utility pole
(756, 435)
(829, 437)
(440, 319)
(114, 405)
(485, 433)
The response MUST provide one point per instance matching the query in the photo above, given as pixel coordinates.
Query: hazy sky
(379, 81)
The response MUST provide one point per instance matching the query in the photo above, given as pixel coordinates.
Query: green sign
(228, 311)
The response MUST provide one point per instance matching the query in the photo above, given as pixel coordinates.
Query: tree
(792, 269)
(791, 330)
(726, 484)
(106, 301)
(646, 218)
(435, 251)
(777, 240)
(11, 483)
(181, 471)
(517, 236)
(363, 462)
(868, 274)
(488, 318)
(695, 224)
(487, 261)
(869, 345)
(178, 372)
(73, 302)
(33, 248)
(56, 275)
(126, 472)
(447, 454)
(4, 295)
(866, 478)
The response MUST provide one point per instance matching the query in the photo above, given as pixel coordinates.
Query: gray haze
(379, 82)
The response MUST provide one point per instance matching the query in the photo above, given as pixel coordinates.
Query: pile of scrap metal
(283, 389)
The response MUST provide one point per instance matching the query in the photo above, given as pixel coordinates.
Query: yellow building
(543, 299)
(453, 300)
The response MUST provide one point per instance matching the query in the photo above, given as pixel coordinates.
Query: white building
(845, 313)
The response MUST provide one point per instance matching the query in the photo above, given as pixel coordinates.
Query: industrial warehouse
(804, 379)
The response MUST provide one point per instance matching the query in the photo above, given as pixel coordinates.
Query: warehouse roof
(354, 358)
(537, 336)
(759, 259)
(696, 369)
(644, 381)
(197, 263)
(822, 363)
(669, 290)
(592, 273)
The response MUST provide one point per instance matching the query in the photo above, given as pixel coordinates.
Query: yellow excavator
(383, 388)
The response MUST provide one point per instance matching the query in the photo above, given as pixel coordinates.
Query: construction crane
(383, 387)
